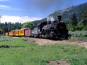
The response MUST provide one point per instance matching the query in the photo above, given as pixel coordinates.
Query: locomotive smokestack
(59, 18)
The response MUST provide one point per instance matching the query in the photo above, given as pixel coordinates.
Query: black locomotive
(51, 30)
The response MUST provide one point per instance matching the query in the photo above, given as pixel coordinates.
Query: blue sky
(35, 8)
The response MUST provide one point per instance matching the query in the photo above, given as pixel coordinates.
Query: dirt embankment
(52, 42)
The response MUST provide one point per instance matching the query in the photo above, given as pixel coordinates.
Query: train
(56, 29)
(25, 32)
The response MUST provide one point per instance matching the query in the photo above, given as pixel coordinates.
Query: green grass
(31, 54)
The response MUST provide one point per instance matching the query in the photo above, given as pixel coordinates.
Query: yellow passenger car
(21, 32)
(16, 33)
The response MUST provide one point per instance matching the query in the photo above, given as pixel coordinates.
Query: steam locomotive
(51, 30)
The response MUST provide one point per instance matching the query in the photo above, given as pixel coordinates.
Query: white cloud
(8, 8)
(20, 19)
(4, 6)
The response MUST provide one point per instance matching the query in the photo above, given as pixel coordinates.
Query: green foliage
(17, 26)
(27, 25)
(74, 20)
(78, 35)
(75, 25)
(6, 27)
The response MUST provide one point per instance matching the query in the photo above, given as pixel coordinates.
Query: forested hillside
(80, 11)
(75, 17)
